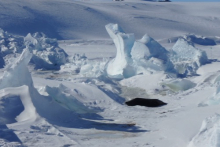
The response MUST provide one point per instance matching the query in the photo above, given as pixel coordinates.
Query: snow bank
(186, 58)
(209, 133)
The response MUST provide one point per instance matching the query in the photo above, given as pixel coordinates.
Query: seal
(145, 102)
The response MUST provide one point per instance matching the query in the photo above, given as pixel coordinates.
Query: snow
(74, 93)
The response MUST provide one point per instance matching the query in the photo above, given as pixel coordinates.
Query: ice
(10, 43)
(121, 65)
(18, 78)
(209, 134)
(186, 58)
(148, 54)
(46, 52)
(9, 46)
(146, 48)
(12, 76)
(179, 84)
(134, 57)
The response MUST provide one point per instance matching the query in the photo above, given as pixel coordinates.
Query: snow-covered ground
(71, 91)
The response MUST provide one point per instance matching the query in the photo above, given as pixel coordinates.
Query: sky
(195, 0)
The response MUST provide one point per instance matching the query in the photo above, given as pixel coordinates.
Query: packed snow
(67, 71)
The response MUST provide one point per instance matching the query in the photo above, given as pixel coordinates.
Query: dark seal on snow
(145, 102)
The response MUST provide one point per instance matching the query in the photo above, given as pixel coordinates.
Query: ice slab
(186, 58)
(12, 76)
(146, 48)
(179, 84)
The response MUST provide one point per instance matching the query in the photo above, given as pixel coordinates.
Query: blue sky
(195, 0)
